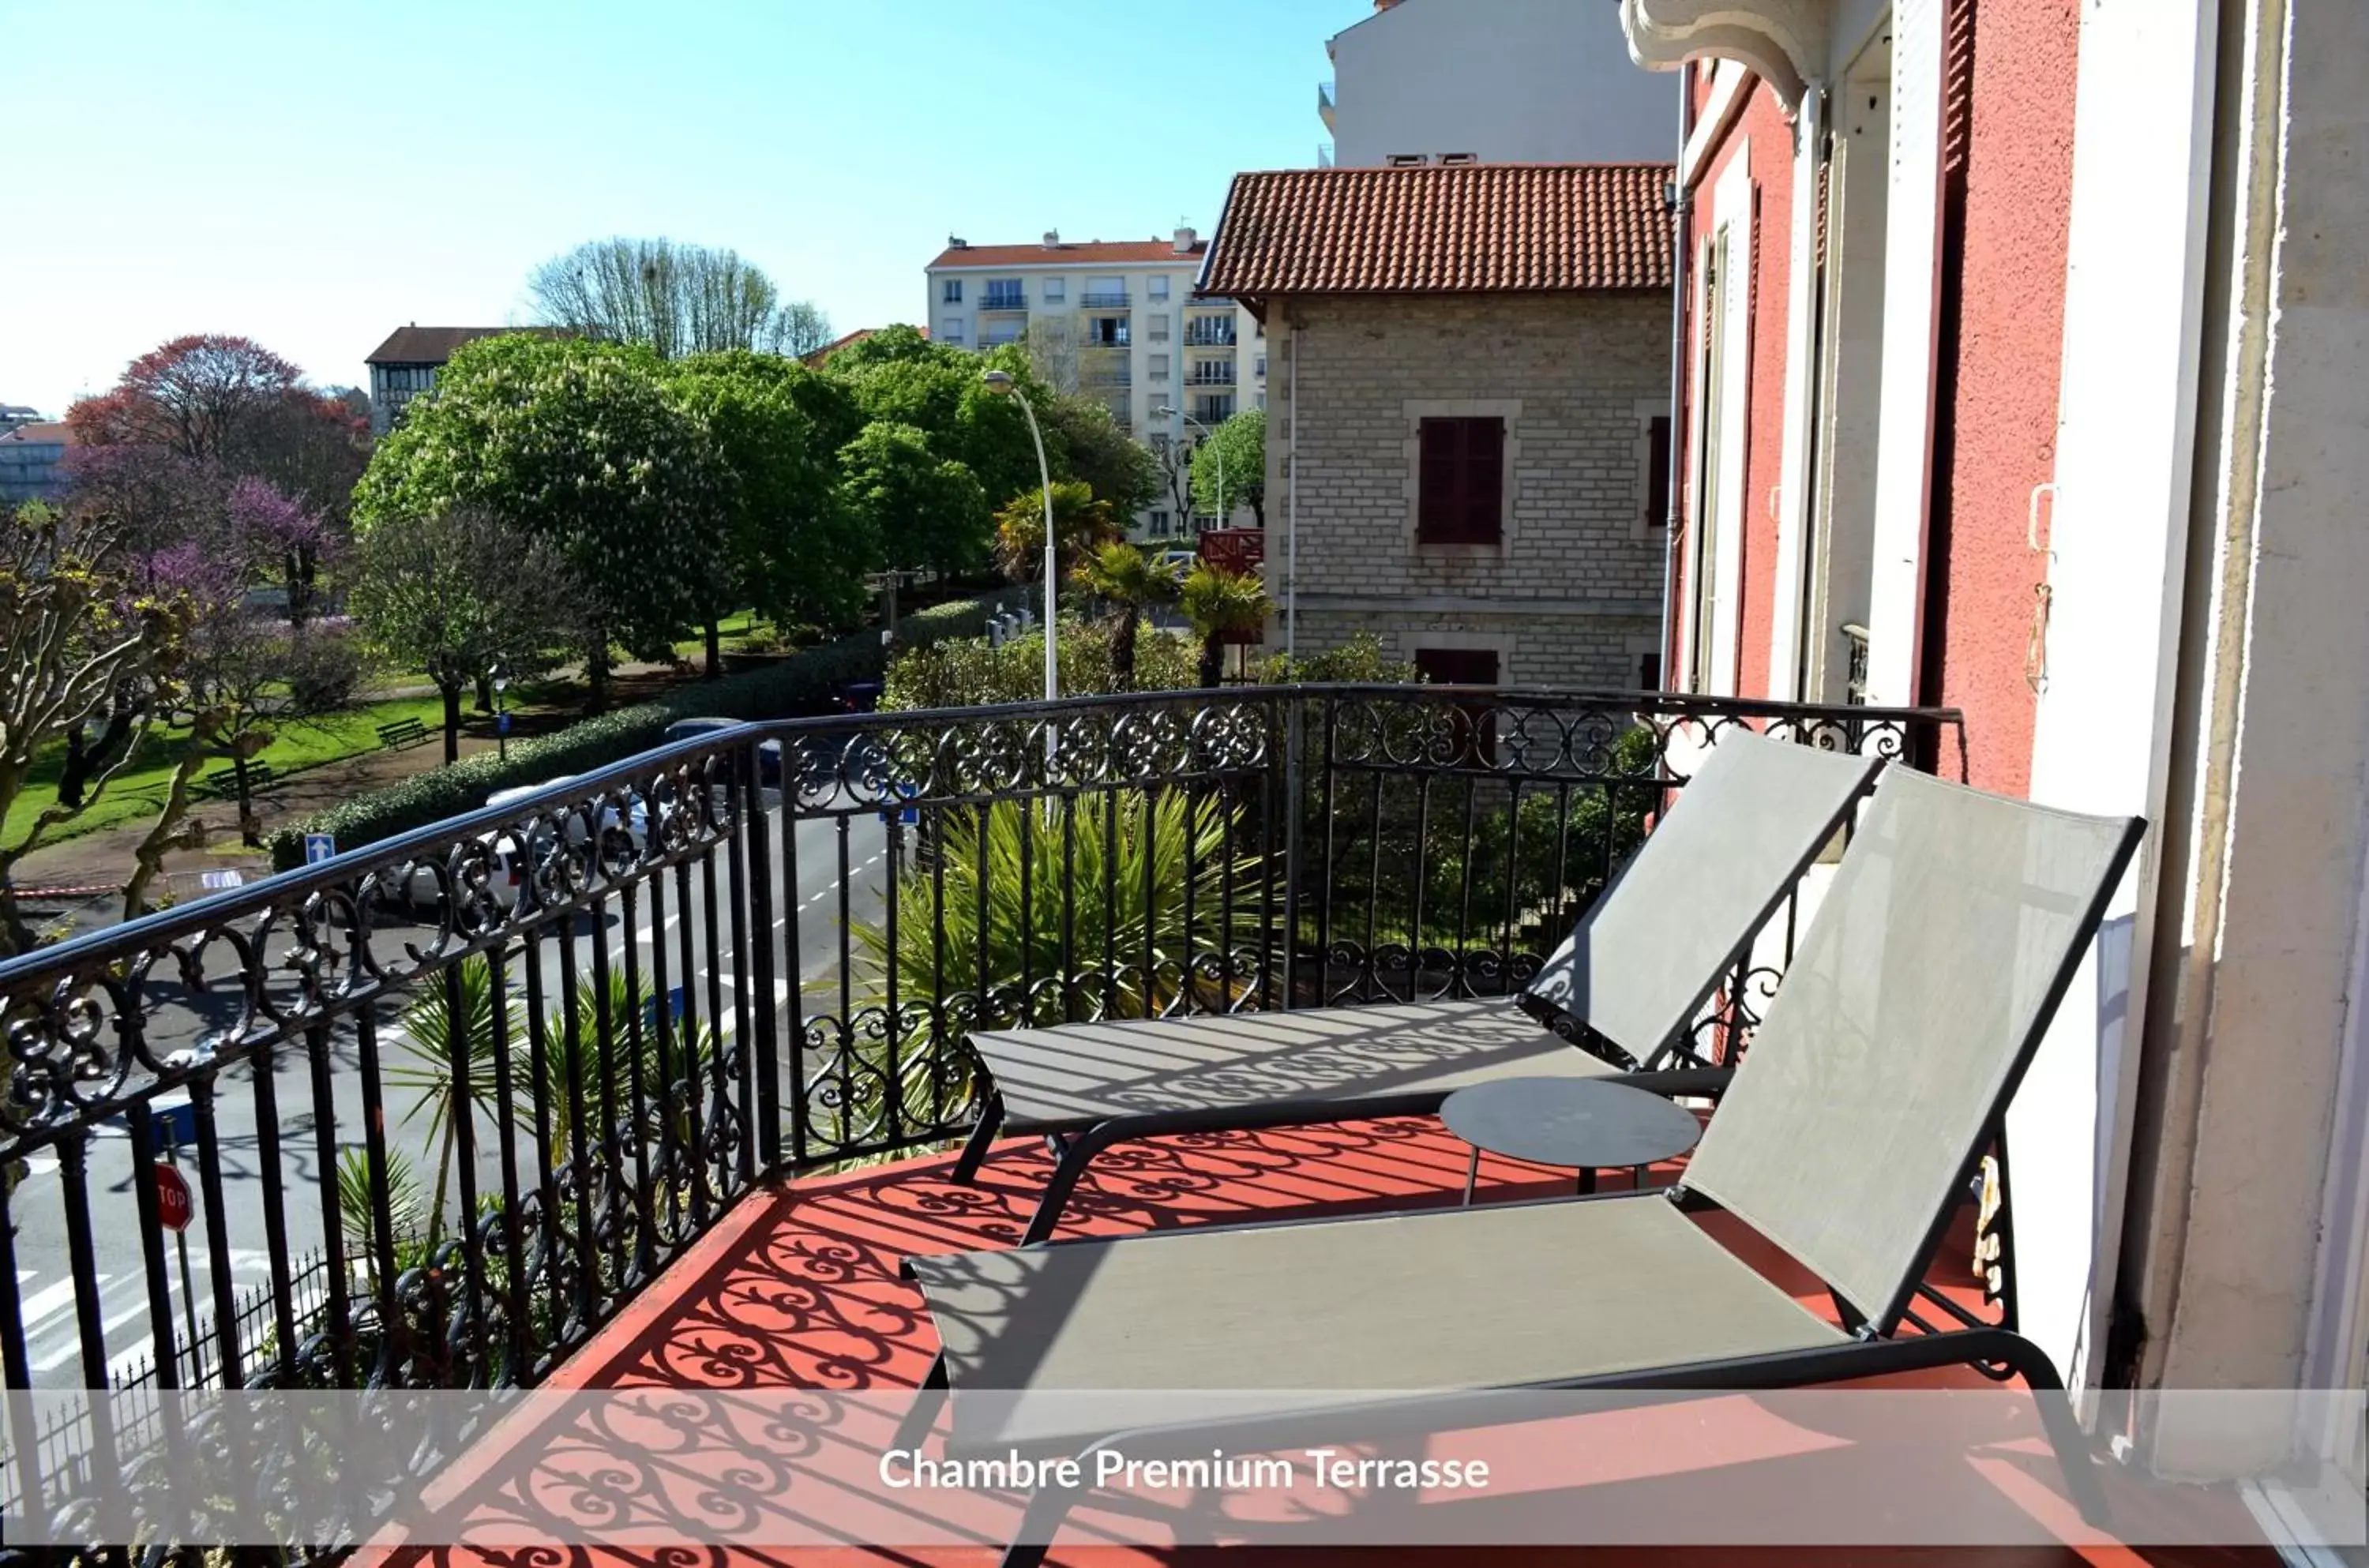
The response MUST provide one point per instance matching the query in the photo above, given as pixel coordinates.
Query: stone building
(1469, 397)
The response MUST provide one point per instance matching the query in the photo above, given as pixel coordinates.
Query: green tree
(926, 512)
(791, 549)
(579, 444)
(1082, 521)
(1129, 581)
(1221, 604)
(899, 377)
(1119, 468)
(1234, 458)
(450, 593)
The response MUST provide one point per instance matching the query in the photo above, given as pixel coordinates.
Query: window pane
(1657, 477)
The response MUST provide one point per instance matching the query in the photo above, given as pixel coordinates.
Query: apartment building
(1116, 320)
(1491, 81)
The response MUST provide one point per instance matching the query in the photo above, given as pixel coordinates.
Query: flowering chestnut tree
(582, 445)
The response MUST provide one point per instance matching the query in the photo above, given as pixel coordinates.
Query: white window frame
(1158, 287)
(1056, 290)
(1725, 363)
(951, 294)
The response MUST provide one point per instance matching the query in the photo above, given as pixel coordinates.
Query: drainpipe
(1291, 499)
(1679, 204)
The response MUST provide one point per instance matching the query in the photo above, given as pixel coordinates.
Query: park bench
(222, 783)
(402, 734)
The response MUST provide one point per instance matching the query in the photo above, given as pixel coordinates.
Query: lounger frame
(1875, 1349)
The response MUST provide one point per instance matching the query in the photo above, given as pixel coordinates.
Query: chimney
(1052, 238)
(1384, 5)
(1185, 238)
(955, 242)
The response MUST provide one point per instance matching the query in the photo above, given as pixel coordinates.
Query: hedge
(800, 684)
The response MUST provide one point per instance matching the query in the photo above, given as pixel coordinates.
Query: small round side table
(1589, 1123)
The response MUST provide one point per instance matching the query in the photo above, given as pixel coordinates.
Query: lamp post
(1001, 382)
(501, 676)
(1164, 412)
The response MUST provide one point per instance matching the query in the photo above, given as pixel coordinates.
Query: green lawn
(138, 790)
(731, 629)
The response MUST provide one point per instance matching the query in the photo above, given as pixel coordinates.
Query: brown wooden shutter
(1460, 490)
(1484, 479)
(1441, 482)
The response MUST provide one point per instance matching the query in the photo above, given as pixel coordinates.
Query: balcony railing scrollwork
(498, 1072)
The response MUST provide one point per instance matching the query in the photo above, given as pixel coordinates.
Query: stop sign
(172, 1199)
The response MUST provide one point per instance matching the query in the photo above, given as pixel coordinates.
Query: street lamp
(501, 676)
(1164, 412)
(1001, 383)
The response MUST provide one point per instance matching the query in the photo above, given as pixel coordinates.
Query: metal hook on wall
(2044, 593)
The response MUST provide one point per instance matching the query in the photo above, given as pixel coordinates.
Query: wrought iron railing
(1004, 301)
(1103, 299)
(498, 1072)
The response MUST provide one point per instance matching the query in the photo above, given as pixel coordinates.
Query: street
(44, 1284)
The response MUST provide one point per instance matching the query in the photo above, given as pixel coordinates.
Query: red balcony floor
(798, 1288)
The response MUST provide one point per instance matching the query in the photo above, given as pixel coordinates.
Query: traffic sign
(173, 1207)
(172, 1124)
(320, 846)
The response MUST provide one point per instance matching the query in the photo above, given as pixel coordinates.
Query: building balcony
(721, 1067)
(1004, 304)
(1324, 105)
(1103, 300)
(1211, 375)
(1204, 333)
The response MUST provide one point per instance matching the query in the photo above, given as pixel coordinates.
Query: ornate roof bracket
(1781, 41)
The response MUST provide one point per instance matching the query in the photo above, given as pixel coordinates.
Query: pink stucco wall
(1998, 398)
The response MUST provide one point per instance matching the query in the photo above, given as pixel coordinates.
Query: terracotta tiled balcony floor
(799, 1287)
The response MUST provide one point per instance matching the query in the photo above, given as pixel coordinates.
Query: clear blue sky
(315, 175)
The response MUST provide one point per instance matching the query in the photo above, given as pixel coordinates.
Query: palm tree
(1220, 603)
(1080, 521)
(1131, 581)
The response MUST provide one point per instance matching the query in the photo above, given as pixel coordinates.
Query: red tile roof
(1068, 253)
(1467, 228)
(56, 432)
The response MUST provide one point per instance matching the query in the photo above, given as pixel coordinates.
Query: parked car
(769, 754)
(425, 889)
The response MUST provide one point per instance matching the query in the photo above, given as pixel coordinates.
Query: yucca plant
(445, 1014)
(354, 1204)
(1084, 935)
(432, 1023)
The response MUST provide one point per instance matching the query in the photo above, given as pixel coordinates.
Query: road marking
(41, 1304)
